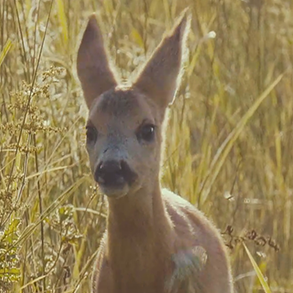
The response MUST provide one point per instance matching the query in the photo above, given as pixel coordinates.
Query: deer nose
(110, 173)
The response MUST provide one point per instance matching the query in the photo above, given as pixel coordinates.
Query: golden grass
(230, 140)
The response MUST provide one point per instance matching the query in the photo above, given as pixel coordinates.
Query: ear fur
(93, 68)
(159, 78)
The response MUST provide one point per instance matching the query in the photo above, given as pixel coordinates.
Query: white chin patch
(115, 193)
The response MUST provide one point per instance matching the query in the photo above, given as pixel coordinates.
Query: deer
(155, 241)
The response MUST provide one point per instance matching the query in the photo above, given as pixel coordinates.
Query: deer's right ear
(93, 67)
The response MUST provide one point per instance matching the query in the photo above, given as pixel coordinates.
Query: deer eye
(91, 134)
(146, 132)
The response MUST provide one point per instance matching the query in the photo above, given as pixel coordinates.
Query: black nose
(112, 173)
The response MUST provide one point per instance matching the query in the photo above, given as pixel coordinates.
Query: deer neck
(138, 230)
(138, 214)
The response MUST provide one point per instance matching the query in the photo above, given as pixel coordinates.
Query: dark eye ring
(146, 132)
(91, 134)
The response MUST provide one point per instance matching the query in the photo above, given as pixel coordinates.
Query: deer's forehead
(122, 104)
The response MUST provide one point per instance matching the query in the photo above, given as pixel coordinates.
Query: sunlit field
(229, 143)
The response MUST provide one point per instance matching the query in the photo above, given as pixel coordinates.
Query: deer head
(124, 128)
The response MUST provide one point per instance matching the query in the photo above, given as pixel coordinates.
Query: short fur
(155, 241)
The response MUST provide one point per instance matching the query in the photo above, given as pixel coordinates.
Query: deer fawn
(155, 241)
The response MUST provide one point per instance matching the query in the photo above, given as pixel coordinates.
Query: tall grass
(230, 135)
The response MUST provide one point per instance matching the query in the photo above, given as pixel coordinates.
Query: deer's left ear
(93, 68)
(159, 78)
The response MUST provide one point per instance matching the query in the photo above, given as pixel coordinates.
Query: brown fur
(155, 242)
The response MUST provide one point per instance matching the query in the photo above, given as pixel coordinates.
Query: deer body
(155, 241)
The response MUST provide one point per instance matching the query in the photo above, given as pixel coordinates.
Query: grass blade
(63, 21)
(257, 270)
(227, 145)
(5, 51)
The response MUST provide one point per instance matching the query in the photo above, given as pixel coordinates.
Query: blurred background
(229, 141)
